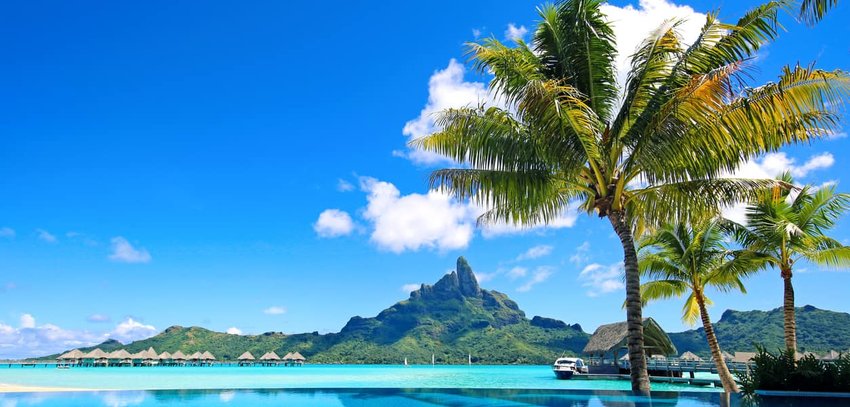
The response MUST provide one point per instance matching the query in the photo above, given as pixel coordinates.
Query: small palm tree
(681, 260)
(787, 226)
(648, 157)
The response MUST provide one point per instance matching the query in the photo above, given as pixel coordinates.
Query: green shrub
(781, 372)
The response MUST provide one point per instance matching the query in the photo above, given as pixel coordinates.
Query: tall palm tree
(682, 260)
(787, 226)
(812, 11)
(565, 134)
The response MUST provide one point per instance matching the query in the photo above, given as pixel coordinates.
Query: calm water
(385, 397)
(312, 376)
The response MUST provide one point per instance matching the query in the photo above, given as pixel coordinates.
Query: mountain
(451, 319)
(817, 331)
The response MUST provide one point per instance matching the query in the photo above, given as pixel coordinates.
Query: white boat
(565, 368)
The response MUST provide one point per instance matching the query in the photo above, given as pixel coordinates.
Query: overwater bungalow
(120, 357)
(96, 357)
(609, 341)
(293, 359)
(690, 357)
(246, 359)
(73, 357)
(270, 359)
(179, 358)
(149, 357)
(207, 358)
(165, 359)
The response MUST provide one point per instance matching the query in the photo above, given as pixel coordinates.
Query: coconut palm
(788, 226)
(812, 11)
(562, 132)
(681, 260)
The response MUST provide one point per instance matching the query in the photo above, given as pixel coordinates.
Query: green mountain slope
(817, 331)
(450, 320)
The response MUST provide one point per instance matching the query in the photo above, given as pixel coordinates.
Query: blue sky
(246, 167)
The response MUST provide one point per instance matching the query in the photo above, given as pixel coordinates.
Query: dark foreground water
(393, 397)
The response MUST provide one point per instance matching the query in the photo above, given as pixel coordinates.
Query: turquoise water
(312, 376)
(393, 397)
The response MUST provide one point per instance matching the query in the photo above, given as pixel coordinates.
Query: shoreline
(22, 388)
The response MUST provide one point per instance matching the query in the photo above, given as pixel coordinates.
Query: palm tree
(683, 260)
(787, 226)
(812, 11)
(565, 134)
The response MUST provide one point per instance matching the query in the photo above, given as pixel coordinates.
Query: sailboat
(405, 363)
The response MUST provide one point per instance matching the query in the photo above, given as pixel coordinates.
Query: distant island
(456, 319)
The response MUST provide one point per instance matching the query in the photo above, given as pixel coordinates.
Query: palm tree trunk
(790, 314)
(634, 317)
(726, 378)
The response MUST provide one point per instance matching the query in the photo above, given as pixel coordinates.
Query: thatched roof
(207, 356)
(299, 357)
(726, 355)
(120, 354)
(96, 354)
(690, 356)
(74, 354)
(288, 356)
(165, 355)
(270, 356)
(612, 337)
(246, 356)
(178, 356)
(196, 356)
(743, 357)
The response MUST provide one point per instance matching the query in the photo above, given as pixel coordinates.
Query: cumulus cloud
(772, 165)
(45, 236)
(274, 310)
(333, 223)
(535, 252)
(540, 275)
(408, 288)
(415, 221)
(514, 33)
(31, 339)
(600, 279)
(27, 321)
(234, 330)
(580, 256)
(566, 220)
(98, 318)
(482, 277)
(7, 232)
(446, 89)
(124, 252)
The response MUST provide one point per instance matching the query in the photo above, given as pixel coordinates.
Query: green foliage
(780, 371)
(737, 331)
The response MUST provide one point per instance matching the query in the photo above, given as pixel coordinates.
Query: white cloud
(131, 330)
(517, 272)
(411, 222)
(123, 399)
(483, 277)
(836, 135)
(535, 252)
(31, 340)
(476, 33)
(27, 321)
(446, 89)
(540, 275)
(98, 318)
(333, 223)
(408, 288)
(274, 310)
(600, 279)
(7, 232)
(234, 330)
(45, 236)
(580, 256)
(514, 33)
(772, 165)
(344, 186)
(566, 220)
(632, 25)
(124, 252)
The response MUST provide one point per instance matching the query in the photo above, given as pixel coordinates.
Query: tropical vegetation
(682, 260)
(563, 134)
(787, 226)
(782, 371)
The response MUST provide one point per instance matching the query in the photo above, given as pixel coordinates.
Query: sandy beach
(19, 388)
